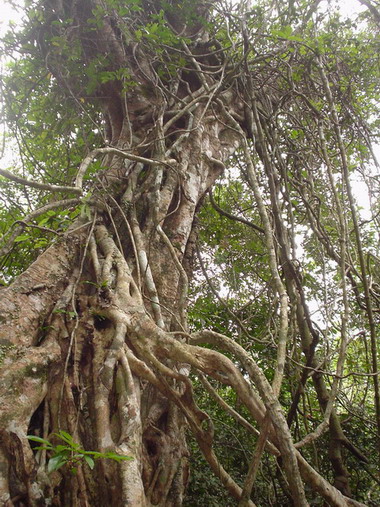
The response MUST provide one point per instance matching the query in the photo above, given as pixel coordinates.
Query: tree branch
(36, 184)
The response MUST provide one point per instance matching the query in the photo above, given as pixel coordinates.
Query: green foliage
(34, 239)
(71, 454)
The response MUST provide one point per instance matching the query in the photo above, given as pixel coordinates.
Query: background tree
(126, 113)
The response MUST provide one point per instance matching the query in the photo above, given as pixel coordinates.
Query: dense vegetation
(190, 254)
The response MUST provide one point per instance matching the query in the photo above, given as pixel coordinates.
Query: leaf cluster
(71, 454)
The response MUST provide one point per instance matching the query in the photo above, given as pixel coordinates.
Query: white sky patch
(347, 8)
(360, 188)
(362, 198)
(9, 15)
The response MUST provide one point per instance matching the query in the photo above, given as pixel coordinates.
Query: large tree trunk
(76, 357)
(72, 318)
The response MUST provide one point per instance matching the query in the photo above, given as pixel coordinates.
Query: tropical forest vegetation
(189, 252)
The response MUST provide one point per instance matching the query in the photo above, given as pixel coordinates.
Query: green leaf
(65, 436)
(56, 462)
(22, 237)
(41, 243)
(284, 32)
(39, 440)
(90, 462)
(95, 454)
(117, 457)
(61, 448)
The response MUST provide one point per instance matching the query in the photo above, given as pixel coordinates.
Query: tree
(126, 114)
